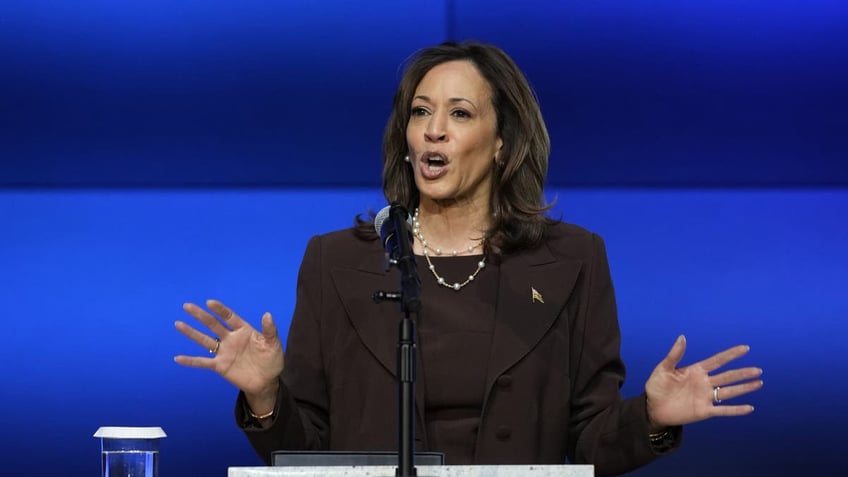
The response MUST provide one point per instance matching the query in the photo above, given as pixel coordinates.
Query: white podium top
(423, 471)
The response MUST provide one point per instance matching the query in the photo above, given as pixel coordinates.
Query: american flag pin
(536, 295)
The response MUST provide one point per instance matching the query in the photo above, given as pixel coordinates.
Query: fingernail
(759, 371)
(752, 408)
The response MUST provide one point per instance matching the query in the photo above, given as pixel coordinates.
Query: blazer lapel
(376, 324)
(533, 289)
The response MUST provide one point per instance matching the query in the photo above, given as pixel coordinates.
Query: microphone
(392, 223)
(393, 227)
(387, 222)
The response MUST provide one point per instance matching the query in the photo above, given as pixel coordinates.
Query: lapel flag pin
(536, 295)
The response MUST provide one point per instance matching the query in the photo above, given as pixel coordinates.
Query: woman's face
(452, 134)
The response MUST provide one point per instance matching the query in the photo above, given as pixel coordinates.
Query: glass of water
(130, 451)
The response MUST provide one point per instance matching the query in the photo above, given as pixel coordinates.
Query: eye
(461, 113)
(418, 111)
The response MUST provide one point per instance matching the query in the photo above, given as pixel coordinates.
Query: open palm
(678, 396)
(250, 360)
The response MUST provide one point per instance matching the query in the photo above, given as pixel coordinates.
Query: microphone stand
(402, 257)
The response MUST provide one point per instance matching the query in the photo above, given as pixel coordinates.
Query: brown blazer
(553, 380)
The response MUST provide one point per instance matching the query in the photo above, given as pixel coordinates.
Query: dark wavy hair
(519, 176)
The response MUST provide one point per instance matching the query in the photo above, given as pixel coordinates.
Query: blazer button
(503, 433)
(505, 381)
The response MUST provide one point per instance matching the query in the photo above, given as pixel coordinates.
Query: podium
(423, 471)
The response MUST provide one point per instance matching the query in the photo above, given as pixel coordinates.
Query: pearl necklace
(416, 230)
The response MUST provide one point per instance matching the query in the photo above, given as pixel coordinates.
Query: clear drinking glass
(130, 451)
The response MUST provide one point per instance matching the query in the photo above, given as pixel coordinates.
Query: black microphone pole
(410, 285)
(398, 243)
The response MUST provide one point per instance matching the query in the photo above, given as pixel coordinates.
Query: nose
(435, 131)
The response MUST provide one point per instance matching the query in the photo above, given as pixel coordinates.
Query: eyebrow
(451, 100)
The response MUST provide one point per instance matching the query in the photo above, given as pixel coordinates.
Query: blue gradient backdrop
(707, 140)
(187, 92)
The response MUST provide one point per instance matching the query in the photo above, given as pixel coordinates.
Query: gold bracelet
(260, 416)
(658, 436)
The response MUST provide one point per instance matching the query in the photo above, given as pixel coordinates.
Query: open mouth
(433, 165)
(434, 161)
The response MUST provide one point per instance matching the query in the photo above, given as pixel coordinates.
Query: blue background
(158, 152)
(257, 92)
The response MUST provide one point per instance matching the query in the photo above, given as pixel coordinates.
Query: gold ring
(217, 345)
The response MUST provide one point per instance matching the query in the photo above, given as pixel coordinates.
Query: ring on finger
(217, 345)
(716, 400)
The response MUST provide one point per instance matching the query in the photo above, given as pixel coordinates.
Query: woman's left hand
(678, 396)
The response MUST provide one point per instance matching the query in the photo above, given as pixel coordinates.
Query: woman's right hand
(250, 360)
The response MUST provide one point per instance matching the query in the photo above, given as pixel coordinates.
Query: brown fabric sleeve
(605, 430)
(300, 419)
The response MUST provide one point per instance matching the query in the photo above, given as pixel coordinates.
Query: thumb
(674, 355)
(269, 329)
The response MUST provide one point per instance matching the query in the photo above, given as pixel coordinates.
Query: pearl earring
(406, 159)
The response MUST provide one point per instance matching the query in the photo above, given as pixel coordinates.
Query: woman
(518, 335)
